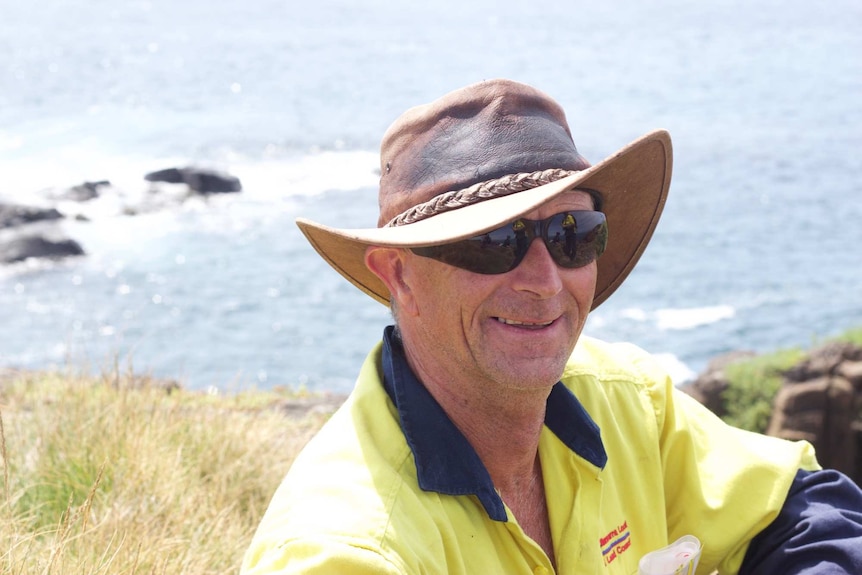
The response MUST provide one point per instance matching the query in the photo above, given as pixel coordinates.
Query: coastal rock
(709, 386)
(199, 180)
(83, 192)
(824, 360)
(14, 215)
(820, 411)
(819, 401)
(26, 247)
(852, 372)
(300, 407)
(30, 232)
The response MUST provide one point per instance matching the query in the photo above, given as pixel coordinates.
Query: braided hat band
(476, 193)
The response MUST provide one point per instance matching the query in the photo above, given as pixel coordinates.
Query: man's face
(515, 329)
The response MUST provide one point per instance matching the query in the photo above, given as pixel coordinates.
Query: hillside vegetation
(119, 475)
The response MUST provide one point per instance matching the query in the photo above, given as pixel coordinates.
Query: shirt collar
(445, 461)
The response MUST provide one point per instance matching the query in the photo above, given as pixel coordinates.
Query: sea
(759, 247)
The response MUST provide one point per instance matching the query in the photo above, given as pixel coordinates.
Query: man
(484, 434)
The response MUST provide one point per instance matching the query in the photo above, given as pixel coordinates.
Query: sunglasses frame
(488, 255)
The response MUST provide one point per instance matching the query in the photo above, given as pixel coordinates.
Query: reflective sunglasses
(574, 239)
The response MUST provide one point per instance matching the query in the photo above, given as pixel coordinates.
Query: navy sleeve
(818, 531)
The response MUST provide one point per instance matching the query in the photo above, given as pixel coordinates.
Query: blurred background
(758, 248)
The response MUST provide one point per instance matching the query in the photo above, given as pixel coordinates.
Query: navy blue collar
(445, 461)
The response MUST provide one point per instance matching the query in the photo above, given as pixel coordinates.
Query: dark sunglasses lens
(491, 253)
(576, 239)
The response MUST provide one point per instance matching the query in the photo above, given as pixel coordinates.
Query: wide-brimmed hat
(484, 155)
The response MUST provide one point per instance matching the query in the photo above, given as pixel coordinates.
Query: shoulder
(338, 495)
(619, 373)
(614, 362)
(623, 387)
(350, 502)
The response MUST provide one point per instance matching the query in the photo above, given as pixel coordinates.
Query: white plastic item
(678, 558)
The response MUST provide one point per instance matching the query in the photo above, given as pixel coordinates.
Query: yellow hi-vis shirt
(663, 466)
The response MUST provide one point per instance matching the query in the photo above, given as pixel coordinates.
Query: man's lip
(519, 323)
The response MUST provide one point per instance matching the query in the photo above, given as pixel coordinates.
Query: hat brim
(633, 182)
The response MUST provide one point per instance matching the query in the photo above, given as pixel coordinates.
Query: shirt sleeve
(317, 556)
(818, 530)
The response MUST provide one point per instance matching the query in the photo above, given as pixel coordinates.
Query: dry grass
(121, 475)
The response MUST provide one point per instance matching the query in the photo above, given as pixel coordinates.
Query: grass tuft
(853, 336)
(123, 475)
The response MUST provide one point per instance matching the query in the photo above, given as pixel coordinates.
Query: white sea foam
(667, 318)
(308, 175)
(8, 142)
(271, 186)
(688, 318)
(34, 177)
(679, 372)
(634, 313)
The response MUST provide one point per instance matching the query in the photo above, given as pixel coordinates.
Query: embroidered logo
(615, 543)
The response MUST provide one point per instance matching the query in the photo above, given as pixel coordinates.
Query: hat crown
(478, 133)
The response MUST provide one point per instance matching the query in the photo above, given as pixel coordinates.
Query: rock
(28, 232)
(300, 407)
(823, 361)
(709, 386)
(857, 432)
(27, 247)
(852, 372)
(13, 215)
(820, 401)
(201, 181)
(83, 192)
(822, 412)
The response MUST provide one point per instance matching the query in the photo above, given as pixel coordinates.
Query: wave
(679, 372)
(689, 318)
(668, 319)
(34, 176)
(310, 174)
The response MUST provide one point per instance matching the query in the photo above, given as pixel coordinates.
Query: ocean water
(758, 248)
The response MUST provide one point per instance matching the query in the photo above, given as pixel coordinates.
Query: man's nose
(538, 273)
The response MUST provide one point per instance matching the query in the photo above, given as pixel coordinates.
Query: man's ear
(388, 265)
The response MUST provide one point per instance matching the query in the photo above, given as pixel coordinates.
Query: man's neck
(503, 429)
(503, 425)
(506, 438)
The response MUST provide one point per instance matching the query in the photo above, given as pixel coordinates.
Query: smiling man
(485, 434)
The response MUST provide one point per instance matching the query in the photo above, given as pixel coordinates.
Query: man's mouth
(525, 324)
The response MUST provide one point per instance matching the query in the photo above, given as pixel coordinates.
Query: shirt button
(540, 570)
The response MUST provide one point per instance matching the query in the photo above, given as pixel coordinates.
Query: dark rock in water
(12, 215)
(168, 176)
(198, 180)
(27, 247)
(83, 192)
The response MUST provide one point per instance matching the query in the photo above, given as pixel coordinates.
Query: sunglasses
(574, 239)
